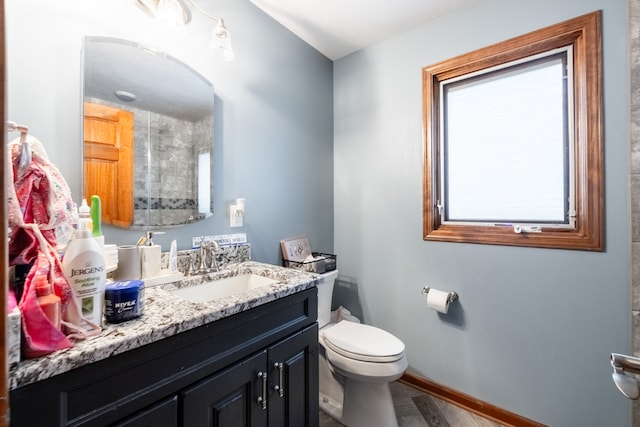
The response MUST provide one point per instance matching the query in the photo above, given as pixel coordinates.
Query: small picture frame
(296, 250)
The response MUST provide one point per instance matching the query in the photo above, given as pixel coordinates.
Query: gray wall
(273, 111)
(534, 328)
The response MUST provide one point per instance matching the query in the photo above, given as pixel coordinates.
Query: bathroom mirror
(148, 135)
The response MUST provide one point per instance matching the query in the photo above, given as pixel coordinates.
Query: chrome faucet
(208, 258)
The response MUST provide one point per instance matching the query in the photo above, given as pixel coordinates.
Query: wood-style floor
(417, 409)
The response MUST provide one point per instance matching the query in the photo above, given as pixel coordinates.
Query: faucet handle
(212, 256)
(193, 263)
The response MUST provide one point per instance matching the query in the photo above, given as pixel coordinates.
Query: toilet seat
(363, 342)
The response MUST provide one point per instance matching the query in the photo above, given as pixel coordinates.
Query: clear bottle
(83, 267)
(48, 301)
(84, 212)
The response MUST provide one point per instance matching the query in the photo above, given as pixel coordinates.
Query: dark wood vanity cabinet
(271, 388)
(255, 368)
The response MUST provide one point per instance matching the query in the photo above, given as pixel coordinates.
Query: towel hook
(14, 127)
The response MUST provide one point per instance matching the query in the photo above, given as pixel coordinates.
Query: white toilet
(357, 363)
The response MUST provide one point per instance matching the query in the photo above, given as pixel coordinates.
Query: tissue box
(321, 263)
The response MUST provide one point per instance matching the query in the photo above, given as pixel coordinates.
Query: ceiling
(337, 28)
(159, 82)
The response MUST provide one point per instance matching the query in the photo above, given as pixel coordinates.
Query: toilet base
(358, 410)
(352, 402)
(331, 390)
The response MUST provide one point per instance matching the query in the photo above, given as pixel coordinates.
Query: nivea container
(123, 300)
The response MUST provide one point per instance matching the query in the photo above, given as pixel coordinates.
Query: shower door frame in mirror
(163, 177)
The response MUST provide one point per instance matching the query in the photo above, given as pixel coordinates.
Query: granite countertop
(165, 315)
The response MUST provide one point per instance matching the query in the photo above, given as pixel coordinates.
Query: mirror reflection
(148, 136)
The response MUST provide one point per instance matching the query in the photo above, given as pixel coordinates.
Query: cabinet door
(163, 414)
(293, 380)
(228, 398)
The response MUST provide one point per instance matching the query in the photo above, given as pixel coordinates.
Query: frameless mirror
(148, 135)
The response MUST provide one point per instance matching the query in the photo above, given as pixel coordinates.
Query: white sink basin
(221, 288)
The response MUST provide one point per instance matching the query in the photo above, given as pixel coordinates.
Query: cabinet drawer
(163, 414)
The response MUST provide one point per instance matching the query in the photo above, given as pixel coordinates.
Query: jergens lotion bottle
(83, 267)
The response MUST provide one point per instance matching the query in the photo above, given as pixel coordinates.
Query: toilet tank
(325, 292)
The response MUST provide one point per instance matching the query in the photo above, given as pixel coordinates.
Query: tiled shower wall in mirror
(173, 151)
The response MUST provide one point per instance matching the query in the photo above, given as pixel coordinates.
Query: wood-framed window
(513, 135)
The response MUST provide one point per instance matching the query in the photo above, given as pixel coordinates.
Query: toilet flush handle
(279, 387)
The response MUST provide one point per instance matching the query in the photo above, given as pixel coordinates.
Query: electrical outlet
(235, 216)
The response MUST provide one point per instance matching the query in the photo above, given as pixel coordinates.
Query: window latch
(518, 229)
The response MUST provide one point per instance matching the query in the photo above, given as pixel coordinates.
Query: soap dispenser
(150, 255)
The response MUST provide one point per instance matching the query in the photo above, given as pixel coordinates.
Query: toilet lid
(363, 342)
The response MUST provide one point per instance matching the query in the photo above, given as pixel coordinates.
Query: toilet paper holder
(451, 297)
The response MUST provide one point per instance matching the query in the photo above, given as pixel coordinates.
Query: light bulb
(221, 42)
(172, 15)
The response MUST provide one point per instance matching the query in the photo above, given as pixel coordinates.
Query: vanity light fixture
(221, 41)
(176, 14)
